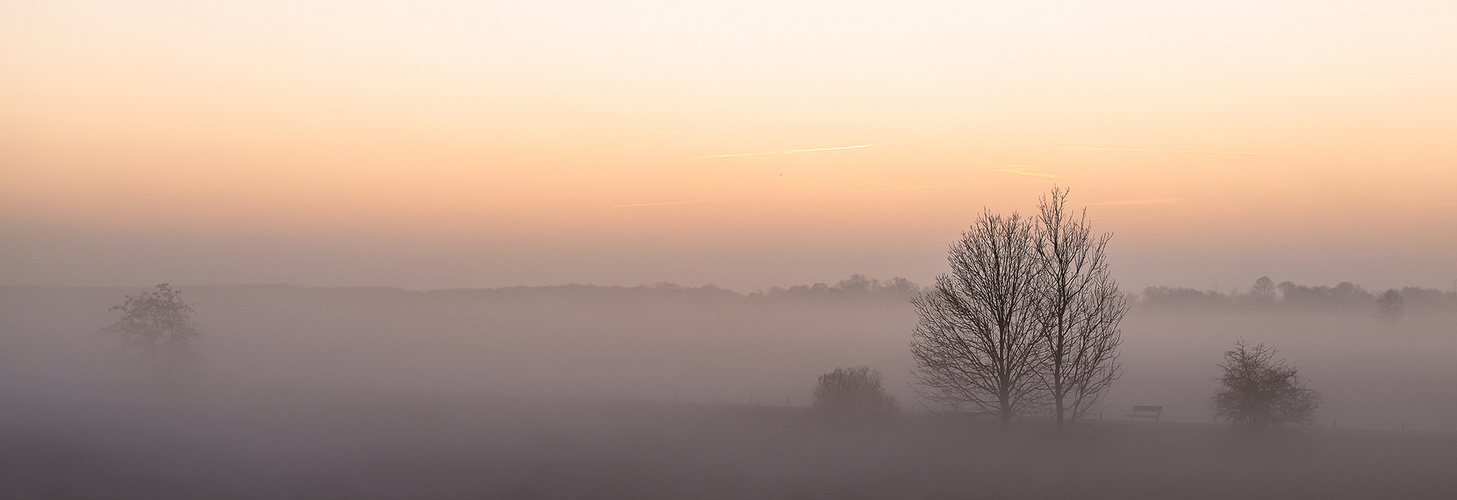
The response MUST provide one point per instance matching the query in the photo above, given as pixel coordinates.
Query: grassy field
(294, 443)
(589, 392)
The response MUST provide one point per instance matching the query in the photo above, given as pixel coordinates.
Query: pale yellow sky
(446, 144)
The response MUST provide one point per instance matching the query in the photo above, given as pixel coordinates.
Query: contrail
(679, 202)
(1019, 170)
(905, 188)
(866, 190)
(1128, 149)
(791, 151)
(1138, 202)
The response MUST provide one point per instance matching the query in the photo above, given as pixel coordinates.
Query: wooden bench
(1149, 412)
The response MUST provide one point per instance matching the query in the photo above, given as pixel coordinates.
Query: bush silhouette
(1262, 392)
(853, 394)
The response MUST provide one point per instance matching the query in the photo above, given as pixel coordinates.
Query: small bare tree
(1261, 392)
(158, 324)
(1081, 309)
(853, 394)
(978, 340)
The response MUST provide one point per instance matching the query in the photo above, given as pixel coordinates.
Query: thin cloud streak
(907, 188)
(1019, 170)
(790, 151)
(847, 191)
(1130, 149)
(661, 203)
(1154, 201)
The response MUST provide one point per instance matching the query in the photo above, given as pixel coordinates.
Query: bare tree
(1081, 309)
(1260, 391)
(1390, 305)
(1263, 292)
(853, 394)
(160, 325)
(978, 341)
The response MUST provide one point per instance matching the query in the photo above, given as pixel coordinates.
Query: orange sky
(454, 144)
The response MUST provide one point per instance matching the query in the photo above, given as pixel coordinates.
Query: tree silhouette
(1080, 311)
(1260, 391)
(1263, 292)
(853, 394)
(1390, 305)
(158, 324)
(978, 340)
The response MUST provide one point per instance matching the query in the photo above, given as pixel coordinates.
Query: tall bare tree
(978, 339)
(1081, 309)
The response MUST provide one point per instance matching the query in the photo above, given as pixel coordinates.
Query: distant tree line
(857, 285)
(1265, 295)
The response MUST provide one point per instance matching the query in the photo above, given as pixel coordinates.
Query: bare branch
(977, 340)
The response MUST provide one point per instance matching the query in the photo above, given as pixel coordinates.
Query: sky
(743, 144)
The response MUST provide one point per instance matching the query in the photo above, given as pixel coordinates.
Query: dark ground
(295, 443)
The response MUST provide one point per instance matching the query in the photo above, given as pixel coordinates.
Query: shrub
(1262, 392)
(853, 394)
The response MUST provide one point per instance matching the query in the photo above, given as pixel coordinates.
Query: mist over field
(518, 249)
(661, 391)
